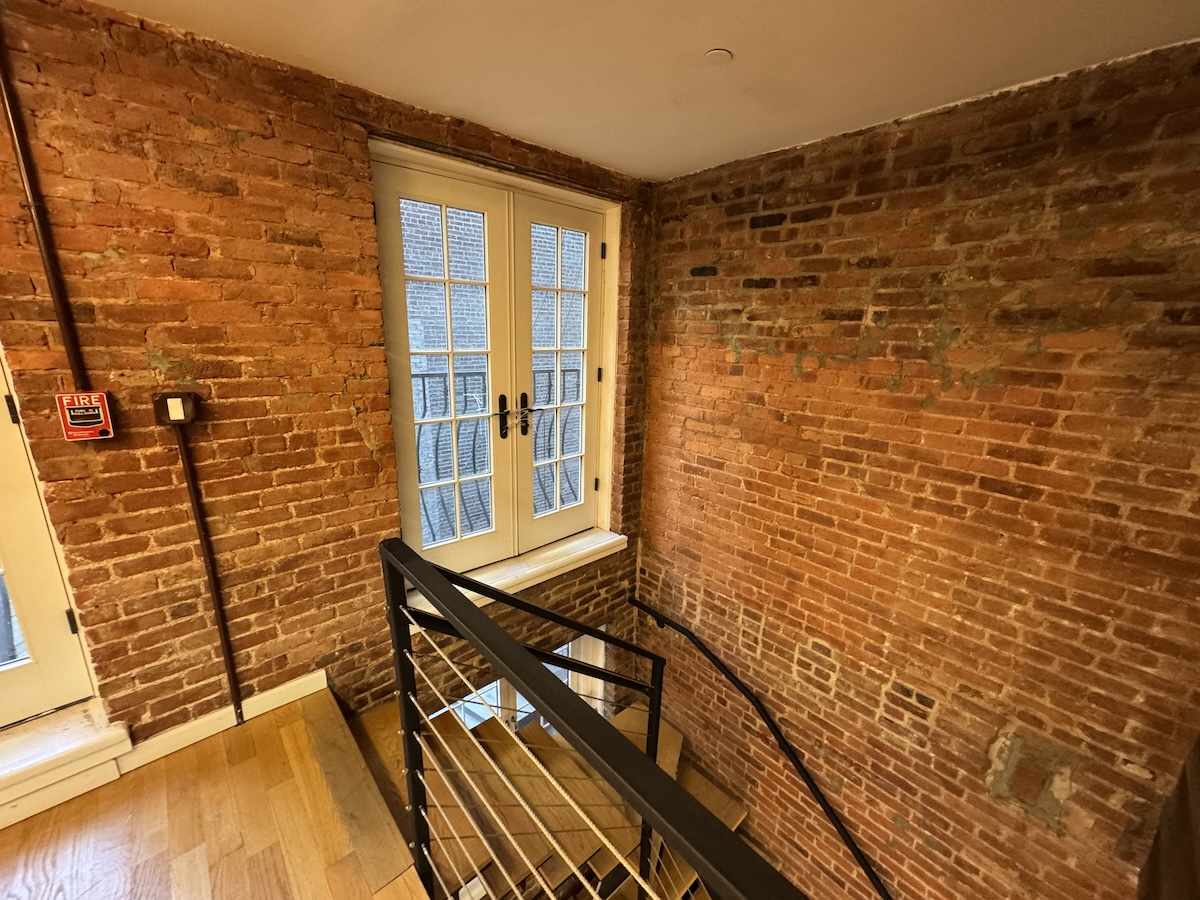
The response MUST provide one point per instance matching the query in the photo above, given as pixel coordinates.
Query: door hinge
(603, 250)
(11, 402)
(72, 623)
(596, 485)
(600, 374)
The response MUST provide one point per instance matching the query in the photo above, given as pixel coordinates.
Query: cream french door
(41, 661)
(557, 311)
(491, 306)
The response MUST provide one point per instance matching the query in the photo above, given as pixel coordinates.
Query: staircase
(459, 811)
(548, 796)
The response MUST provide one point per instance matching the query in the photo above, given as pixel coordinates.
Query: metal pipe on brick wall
(210, 568)
(41, 225)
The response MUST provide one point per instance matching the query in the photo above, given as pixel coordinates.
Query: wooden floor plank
(219, 820)
(189, 875)
(267, 876)
(346, 880)
(301, 851)
(406, 887)
(184, 814)
(268, 747)
(253, 805)
(232, 817)
(329, 830)
(229, 876)
(369, 826)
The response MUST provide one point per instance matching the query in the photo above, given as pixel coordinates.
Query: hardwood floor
(282, 808)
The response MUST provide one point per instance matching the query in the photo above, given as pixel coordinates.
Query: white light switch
(175, 409)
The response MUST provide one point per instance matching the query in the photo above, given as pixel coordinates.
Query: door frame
(387, 151)
(57, 671)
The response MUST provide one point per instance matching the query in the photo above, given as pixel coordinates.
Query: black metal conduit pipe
(41, 225)
(210, 569)
(864, 861)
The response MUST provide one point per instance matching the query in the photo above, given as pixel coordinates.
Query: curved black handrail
(864, 862)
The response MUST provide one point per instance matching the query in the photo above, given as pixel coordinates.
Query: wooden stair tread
(599, 800)
(560, 819)
(516, 820)
(354, 797)
(674, 876)
(378, 733)
(633, 723)
(725, 807)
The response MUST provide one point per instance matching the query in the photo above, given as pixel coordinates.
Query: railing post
(406, 688)
(653, 727)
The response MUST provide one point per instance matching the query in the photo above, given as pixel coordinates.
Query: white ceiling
(625, 83)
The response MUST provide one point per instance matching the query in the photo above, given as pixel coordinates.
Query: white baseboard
(283, 694)
(58, 792)
(220, 719)
(167, 742)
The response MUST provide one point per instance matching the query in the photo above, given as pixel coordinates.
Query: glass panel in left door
(446, 291)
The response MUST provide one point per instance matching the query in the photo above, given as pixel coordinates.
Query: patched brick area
(924, 406)
(213, 213)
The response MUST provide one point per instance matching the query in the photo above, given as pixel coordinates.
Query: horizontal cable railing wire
(724, 863)
(785, 746)
(524, 804)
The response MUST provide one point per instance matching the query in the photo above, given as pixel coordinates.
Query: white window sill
(519, 572)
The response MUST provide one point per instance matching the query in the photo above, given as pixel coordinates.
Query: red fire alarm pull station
(84, 415)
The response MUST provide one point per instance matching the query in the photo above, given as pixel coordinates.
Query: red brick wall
(924, 407)
(213, 213)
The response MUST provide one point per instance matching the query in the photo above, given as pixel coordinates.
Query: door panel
(444, 247)
(41, 662)
(557, 310)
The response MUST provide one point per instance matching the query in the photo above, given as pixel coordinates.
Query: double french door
(492, 316)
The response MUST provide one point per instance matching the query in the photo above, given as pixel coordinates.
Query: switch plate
(176, 408)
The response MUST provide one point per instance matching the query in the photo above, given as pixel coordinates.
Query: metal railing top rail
(725, 863)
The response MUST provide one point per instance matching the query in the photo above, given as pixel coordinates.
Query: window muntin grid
(558, 267)
(446, 291)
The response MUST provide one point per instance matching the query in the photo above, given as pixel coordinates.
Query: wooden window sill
(520, 572)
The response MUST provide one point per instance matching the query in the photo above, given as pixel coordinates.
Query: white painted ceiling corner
(627, 83)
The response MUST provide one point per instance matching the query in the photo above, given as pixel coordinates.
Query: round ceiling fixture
(719, 56)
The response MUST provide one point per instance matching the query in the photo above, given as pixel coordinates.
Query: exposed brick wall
(213, 213)
(924, 407)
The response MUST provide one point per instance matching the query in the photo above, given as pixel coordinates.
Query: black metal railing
(728, 868)
(785, 746)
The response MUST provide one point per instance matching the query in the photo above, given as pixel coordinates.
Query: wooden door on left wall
(42, 666)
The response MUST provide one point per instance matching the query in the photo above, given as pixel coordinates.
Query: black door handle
(524, 413)
(502, 414)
